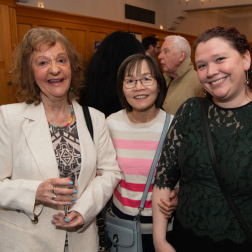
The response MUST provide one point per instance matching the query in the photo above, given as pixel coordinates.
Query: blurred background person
(44, 143)
(181, 79)
(101, 72)
(151, 46)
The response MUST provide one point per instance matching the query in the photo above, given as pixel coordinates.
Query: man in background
(181, 78)
(151, 46)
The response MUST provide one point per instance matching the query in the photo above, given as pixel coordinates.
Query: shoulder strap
(88, 121)
(218, 175)
(90, 129)
(154, 162)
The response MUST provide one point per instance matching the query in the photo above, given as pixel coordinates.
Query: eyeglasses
(145, 81)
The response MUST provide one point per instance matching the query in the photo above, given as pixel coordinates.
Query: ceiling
(237, 10)
(229, 11)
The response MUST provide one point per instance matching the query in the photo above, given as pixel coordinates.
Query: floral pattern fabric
(202, 206)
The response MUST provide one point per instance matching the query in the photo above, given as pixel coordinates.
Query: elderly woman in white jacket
(44, 142)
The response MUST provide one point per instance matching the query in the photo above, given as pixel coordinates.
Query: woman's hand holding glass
(55, 191)
(67, 219)
(72, 185)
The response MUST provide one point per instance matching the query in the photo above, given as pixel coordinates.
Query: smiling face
(221, 71)
(141, 98)
(52, 72)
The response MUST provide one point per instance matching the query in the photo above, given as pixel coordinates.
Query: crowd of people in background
(56, 175)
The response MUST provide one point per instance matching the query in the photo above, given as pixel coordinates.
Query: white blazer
(27, 159)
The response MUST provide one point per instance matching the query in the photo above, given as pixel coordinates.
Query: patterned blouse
(67, 152)
(202, 207)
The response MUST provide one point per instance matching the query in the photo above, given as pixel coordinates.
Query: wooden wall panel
(7, 94)
(6, 36)
(50, 27)
(95, 29)
(22, 29)
(11, 3)
(2, 64)
(6, 87)
(94, 37)
(13, 27)
(78, 38)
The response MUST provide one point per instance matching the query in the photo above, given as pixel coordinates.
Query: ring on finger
(54, 196)
(53, 190)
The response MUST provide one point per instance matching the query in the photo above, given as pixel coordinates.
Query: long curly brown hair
(23, 76)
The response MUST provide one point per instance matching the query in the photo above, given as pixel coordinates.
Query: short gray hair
(180, 44)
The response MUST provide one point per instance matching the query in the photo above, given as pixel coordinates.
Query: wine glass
(73, 186)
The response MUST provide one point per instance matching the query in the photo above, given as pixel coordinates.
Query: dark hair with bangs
(129, 65)
(23, 76)
(232, 36)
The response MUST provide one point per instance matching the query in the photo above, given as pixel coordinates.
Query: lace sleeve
(168, 172)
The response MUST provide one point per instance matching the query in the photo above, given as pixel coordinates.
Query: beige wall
(244, 24)
(167, 11)
(197, 22)
(107, 9)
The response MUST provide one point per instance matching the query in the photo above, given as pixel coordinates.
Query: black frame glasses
(146, 81)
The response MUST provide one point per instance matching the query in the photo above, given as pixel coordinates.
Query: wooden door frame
(11, 3)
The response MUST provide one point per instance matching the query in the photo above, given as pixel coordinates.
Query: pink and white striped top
(135, 145)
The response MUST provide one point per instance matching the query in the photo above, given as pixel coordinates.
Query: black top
(202, 207)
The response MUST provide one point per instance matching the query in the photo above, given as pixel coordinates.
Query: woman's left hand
(73, 219)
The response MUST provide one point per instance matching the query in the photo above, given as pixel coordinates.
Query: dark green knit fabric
(202, 206)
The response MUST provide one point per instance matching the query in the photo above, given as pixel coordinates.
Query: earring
(71, 88)
(247, 79)
(204, 93)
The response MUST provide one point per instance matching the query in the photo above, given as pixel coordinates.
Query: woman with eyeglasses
(135, 132)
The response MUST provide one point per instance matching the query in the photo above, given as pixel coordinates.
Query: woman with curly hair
(46, 148)
(204, 219)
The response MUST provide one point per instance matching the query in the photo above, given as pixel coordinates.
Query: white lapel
(88, 150)
(39, 140)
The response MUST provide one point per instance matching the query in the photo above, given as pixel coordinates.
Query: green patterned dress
(204, 220)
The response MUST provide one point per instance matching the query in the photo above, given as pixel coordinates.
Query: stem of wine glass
(66, 208)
